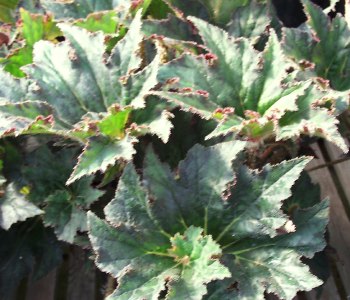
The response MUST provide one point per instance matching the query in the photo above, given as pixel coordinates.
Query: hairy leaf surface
(80, 8)
(324, 43)
(14, 207)
(65, 207)
(218, 12)
(87, 93)
(12, 89)
(168, 231)
(249, 21)
(246, 91)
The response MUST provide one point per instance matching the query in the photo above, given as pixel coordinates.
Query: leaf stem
(230, 244)
(205, 221)
(251, 249)
(227, 228)
(159, 254)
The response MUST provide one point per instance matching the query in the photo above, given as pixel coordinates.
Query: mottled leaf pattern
(80, 8)
(82, 90)
(169, 230)
(100, 153)
(324, 43)
(246, 91)
(14, 207)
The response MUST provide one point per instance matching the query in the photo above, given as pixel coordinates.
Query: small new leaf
(249, 21)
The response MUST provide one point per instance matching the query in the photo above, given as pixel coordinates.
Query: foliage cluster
(169, 139)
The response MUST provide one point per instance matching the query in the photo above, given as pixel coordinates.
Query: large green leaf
(261, 214)
(218, 12)
(14, 207)
(88, 94)
(74, 79)
(46, 173)
(166, 233)
(324, 43)
(80, 8)
(184, 269)
(25, 117)
(11, 88)
(246, 91)
(251, 262)
(7, 10)
(310, 120)
(101, 153)
(70, 75)
(197, 185)
(249, 21)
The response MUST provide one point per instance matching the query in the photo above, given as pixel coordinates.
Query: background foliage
(167, 140)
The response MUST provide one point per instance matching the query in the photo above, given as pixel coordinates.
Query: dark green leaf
(101, 153)
(249, 21)
(157, 231)
(80, 8)
(65, 210)
(248, 92)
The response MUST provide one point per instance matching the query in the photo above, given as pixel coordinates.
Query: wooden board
(43, 289)
(329, 292)
(339, 227)
(81, 280)
(340, 173)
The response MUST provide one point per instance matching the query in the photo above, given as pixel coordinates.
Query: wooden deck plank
(81, 280)
(329, 292)
(43, 289)
(339, 225)
(342, 172)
